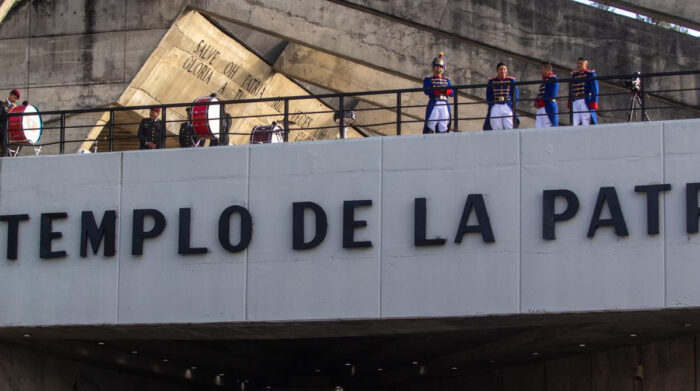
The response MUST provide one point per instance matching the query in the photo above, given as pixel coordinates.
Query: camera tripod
(636, 104)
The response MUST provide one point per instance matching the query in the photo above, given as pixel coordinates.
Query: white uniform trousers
(501, 116)
(542, 120)
(439, 117)
(581, 114)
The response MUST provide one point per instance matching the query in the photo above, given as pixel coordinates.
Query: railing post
(571, 103)
(456, 103)
(111, 130)
(5, 135)
(222, 123)
(515, 109)
(62, 135)
(341, 116)
(398, 113)
(285, 121)
(164, 118)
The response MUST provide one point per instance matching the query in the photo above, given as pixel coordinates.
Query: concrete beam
(681, 12)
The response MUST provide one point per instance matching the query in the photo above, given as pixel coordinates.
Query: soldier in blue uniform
(437, 87)
(545, 102)
(500, 95)
(585, 94)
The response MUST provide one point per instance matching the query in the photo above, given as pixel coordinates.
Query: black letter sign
(298, 242)
(225, 228)
(652, 205)
(47, 235)
(13, 233)
(183, 240)
(549, 217)
(349, 224)
(691, 207)
(419, 226)
(609, 195)
(483, 225)
(137, 232)
(90, 232)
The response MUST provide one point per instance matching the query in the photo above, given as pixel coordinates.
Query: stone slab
(581, 270)
(162, 286)
(327, 281)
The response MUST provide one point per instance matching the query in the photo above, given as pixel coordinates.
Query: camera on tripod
(634, 84)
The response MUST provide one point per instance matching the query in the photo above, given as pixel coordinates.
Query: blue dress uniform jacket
(585, 87)
(437, 88)
(546, 97)
(501, 91)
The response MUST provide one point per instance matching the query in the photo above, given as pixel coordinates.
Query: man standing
(5, 108)
(546, 103)
(437, 87)
(500, 95)
(151, 131)
(585, 94)
(186, 137)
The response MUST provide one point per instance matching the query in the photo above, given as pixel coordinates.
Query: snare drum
(266, 134)
(25, 129)
(205, 118)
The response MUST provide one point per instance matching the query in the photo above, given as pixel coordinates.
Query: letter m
(89, 231)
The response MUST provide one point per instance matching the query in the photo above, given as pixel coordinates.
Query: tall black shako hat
(440, 61)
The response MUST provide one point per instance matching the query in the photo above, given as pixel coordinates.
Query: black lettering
(47, 235)
(350, 224)
(225, 228)
(652, 192)
(184, 235)
(321, 226)
(13, 233)
(89, 231)
(617, 220)
(137, 232)
(419, 227)
(550, 217)
(692, 210)
(483, 226)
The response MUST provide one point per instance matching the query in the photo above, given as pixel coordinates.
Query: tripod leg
(632, 108)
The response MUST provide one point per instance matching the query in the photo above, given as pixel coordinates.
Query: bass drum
(266, 134)
(25, 129)
(205, 118)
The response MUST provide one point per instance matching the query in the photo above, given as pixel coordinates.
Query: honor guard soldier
(151, 131)
(437, 87)
(546, 101)
(500, 95)
(186, 136)
(5, 107)
(584, 90)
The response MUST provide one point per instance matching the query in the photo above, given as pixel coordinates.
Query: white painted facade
(519, 273)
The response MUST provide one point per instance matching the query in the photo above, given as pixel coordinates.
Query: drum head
(213, 114)
(31, 124)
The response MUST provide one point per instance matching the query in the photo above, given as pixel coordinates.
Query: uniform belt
(502, 99)
(440, 97)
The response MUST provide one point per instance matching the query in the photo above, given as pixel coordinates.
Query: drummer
(151, 132)
(5, 107)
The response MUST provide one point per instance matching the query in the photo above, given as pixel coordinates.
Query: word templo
(104, 234)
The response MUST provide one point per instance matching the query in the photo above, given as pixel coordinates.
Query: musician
(151, 131)
(437, 87)
(5, 107)
(545, 102)
(500, 95)
(187, 137)
(585, 94)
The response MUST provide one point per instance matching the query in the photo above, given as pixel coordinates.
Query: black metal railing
(673, 94)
